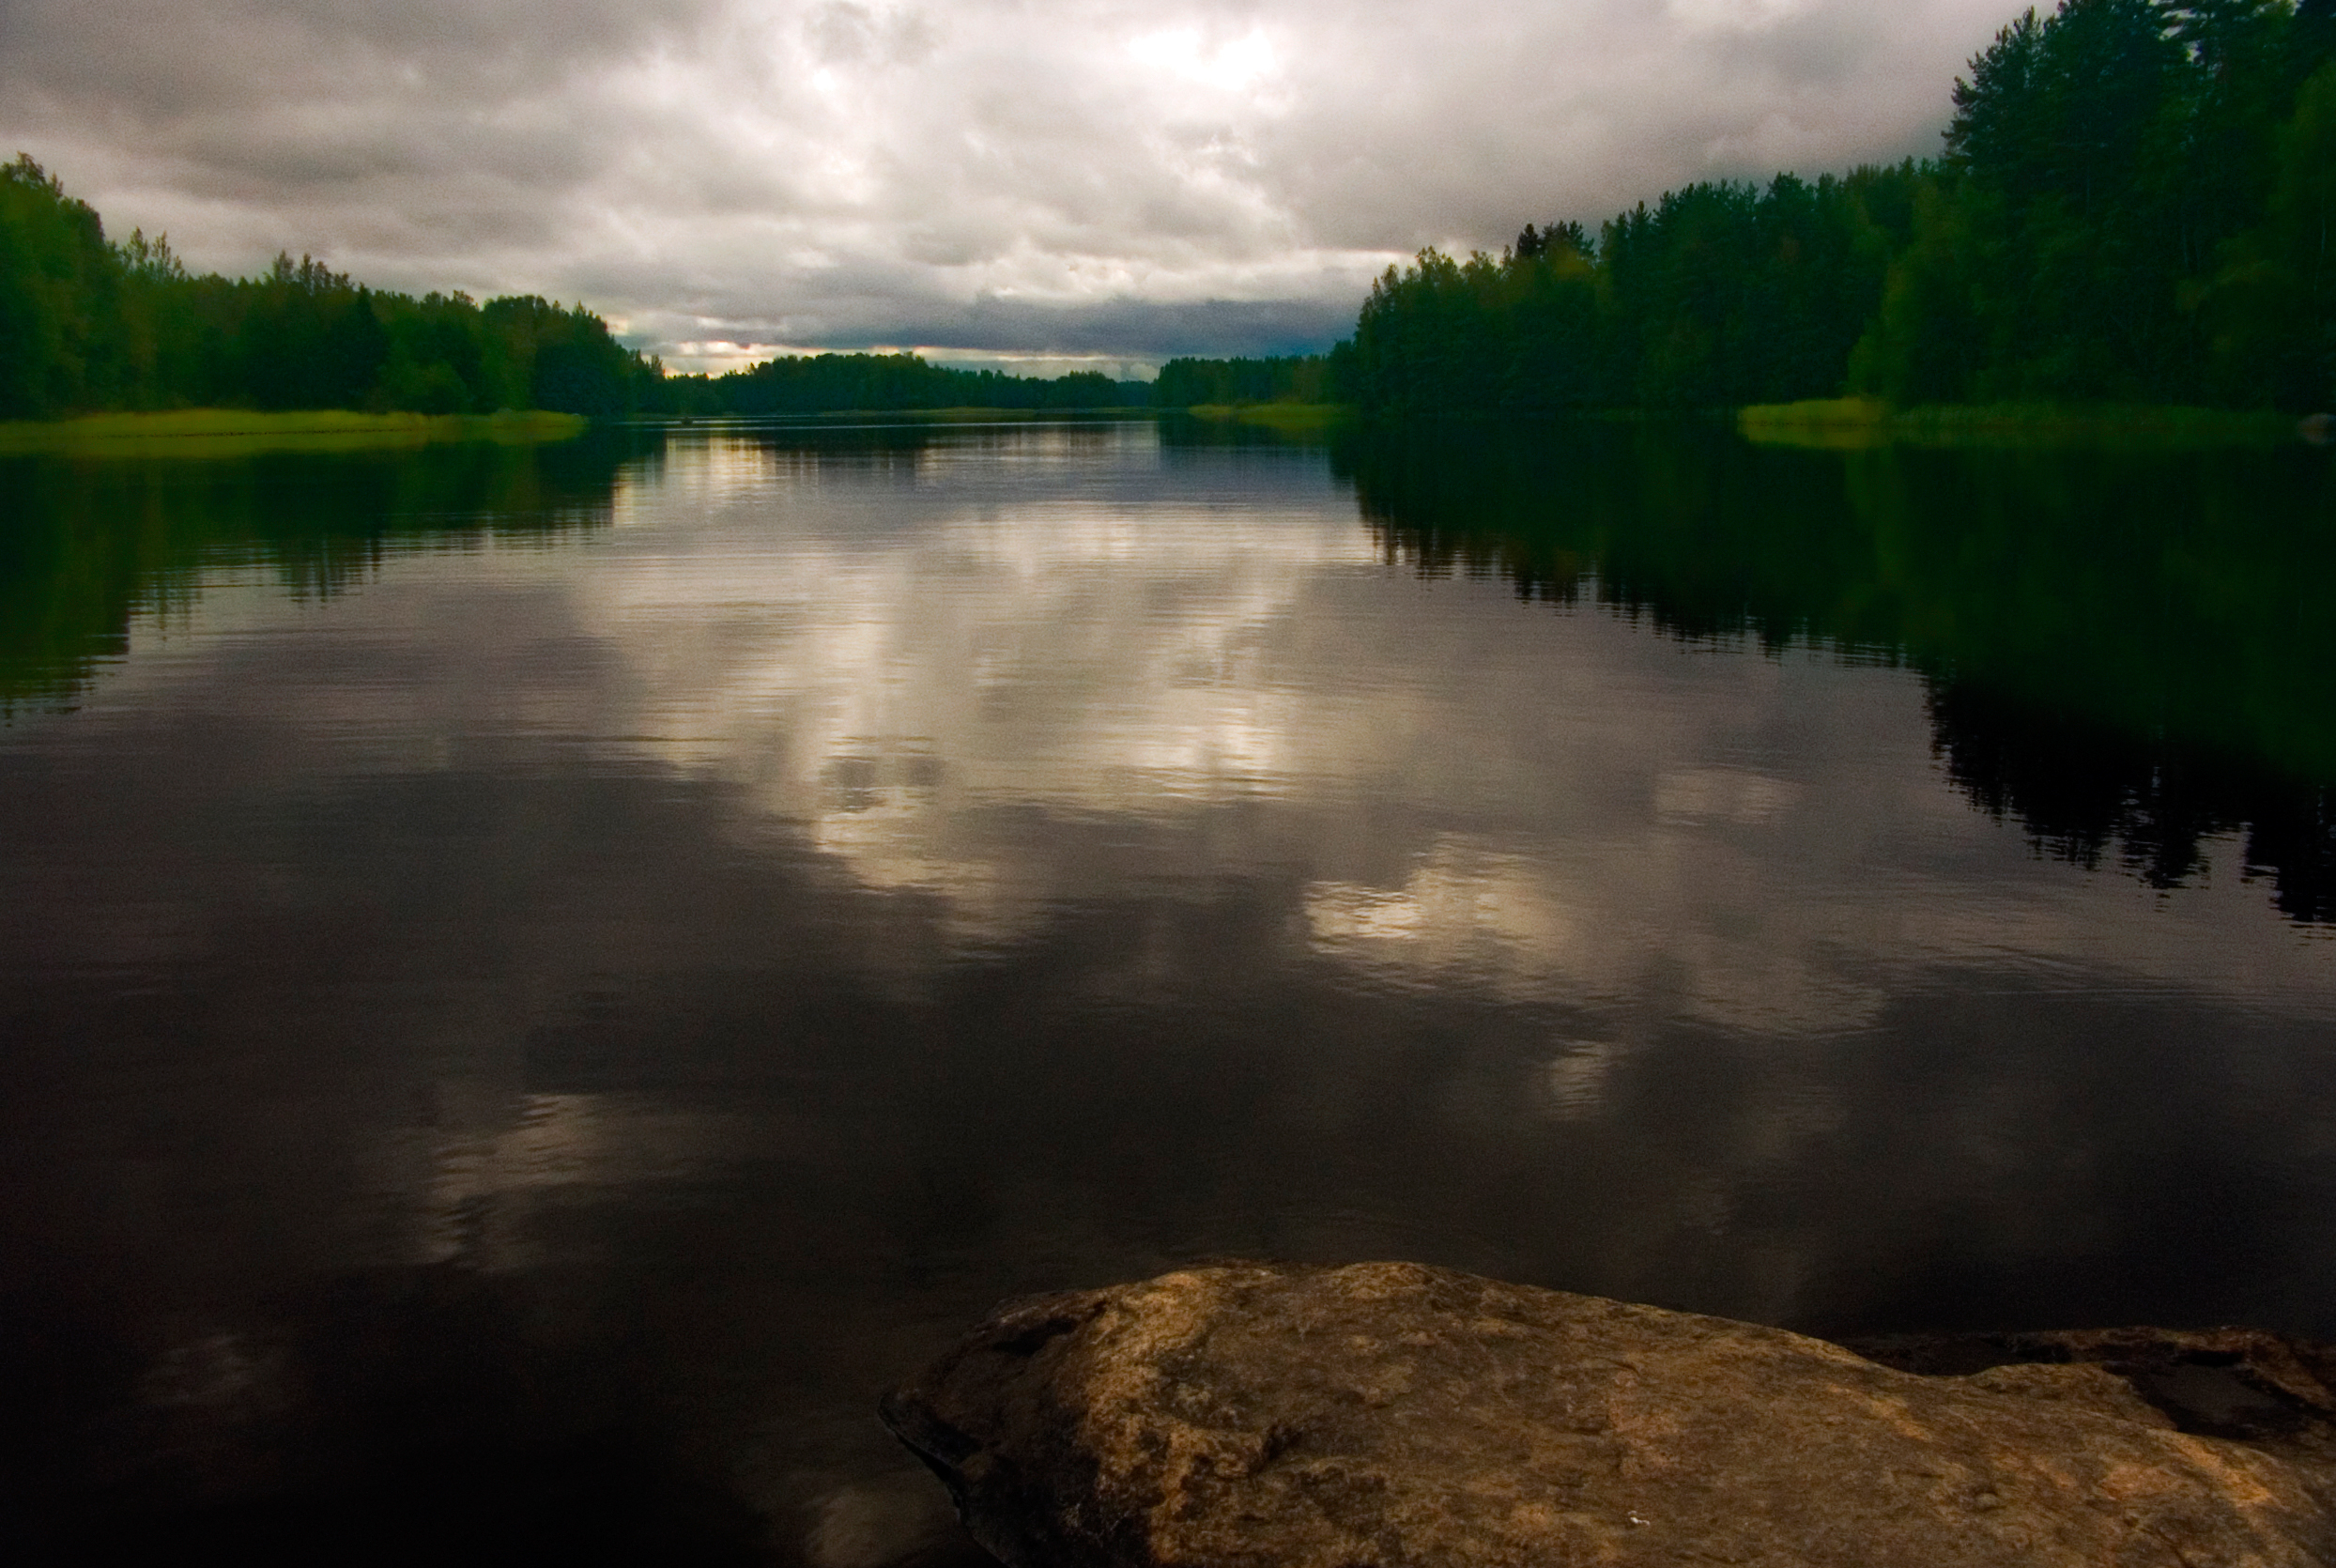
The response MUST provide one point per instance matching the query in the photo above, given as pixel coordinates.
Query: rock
(2264, 1388)
(1390, 1415)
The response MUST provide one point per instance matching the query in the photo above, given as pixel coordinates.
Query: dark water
(535, 983)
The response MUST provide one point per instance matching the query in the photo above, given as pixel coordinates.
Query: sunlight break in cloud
(1232, 67)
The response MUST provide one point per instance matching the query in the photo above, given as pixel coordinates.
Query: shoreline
(1839, 424)
(1853, 424)
(1273, 416)
(223, 431)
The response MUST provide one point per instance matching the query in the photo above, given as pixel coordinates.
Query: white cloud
(1737, 16)
(1236, 66)
(1080, 176)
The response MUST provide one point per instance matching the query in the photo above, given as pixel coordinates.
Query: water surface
(535, 982)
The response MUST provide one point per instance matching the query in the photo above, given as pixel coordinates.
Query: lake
(537, 981)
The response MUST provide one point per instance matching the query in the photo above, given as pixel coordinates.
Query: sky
(1042, 184)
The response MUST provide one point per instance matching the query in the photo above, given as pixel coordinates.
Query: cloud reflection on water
(1554, 811)
(918, 655)
(869, 880)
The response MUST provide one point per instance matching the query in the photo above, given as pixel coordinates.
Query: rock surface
(1390, 1415)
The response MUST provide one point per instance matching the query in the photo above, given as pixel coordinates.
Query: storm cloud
(1078, 179)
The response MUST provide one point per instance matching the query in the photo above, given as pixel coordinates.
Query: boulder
(1390, 1415)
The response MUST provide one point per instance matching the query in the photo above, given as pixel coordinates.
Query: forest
(2132, 204)
(1186, 383)
(87, 324)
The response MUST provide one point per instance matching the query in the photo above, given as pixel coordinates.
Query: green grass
(1278, 416)
(1833, 423)
(1851, 423)
(236, 432)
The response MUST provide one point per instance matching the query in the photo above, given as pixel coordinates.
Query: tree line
(2134, 203)
(1187, 383)
(813, 383)
(87, 324)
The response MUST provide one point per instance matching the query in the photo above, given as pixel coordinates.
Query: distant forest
(2134, 203)
(89, 324)
(810, 383)
(1295, 378)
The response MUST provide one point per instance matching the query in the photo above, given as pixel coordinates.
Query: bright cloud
(1232, 67)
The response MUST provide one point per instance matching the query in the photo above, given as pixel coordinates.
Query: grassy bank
(1275, 416)
(234, 432)
(1852, 422)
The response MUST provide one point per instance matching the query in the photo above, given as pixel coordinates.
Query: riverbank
(1274, 416)
(235, 431)
(1848, 423)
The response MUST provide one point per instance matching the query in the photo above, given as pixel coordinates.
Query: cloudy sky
(1088, 180)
